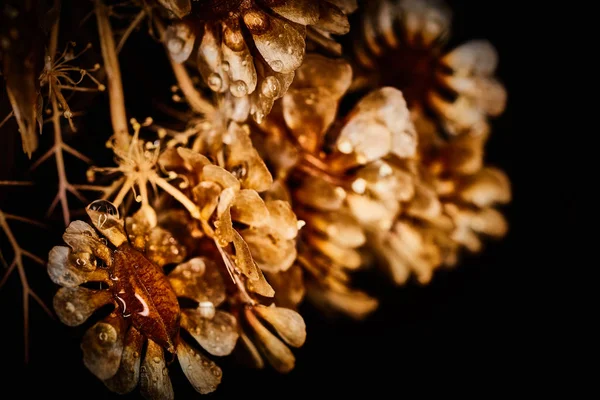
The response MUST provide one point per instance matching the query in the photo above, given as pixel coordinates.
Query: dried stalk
(113, 76)
(17, 263)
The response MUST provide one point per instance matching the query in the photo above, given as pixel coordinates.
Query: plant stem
(177, 195)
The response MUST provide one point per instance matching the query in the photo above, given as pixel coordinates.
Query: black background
(469, 327)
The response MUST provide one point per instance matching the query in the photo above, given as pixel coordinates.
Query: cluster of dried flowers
(274, 191)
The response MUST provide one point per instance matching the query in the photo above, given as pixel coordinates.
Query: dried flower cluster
(295, 168)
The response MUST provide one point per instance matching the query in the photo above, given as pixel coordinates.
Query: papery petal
(270, 252)
(128, 375)
(179, 39)
(252, 351)
(201, 371)
(221, 176)
(333, 76)
(218, 335)
(180, 8)
(345, 256)
(320, 194)
(332, 19)
(304, 12)
(487, 187)
(276, 352)
(102, 346)
(82, 238)
(347, 6)
(192, 160)
(239, 64)
(162, 248)
(206, 194)
(248, 208)
(260, 286)
(105, 217)
(74, 306)
(356, 304)
(65, 273)
(288, 323)
(280, 43)
(155, 383)
(289, 286)
(282, 219)
(477, 57)
(198, 279)
(210, 59)
(245, 162)
(340, 228)
(243, 258)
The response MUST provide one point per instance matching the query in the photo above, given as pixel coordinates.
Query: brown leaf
(145, 294)
(155, 383)
(217, 335)
(201, 371)
(198, 279)
(128, 375)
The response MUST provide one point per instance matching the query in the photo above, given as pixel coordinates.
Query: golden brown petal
(347, 6)
(128, 375)
(477, 57)
(276, 352)
(179, 39)
(260, 286)
(320, 194)
(105, 217)
(102, 347)
(354, 303)
(198, 279)
(74, 306)
(289, 286)
(288, 323)
(217, 335)
(162, 248)
(248, 208)
(238, 62)
(339, 227)
(193, 161)
(304, 12)
(155, 383)
(180, 8)
(332, 19)
(210, 59)
(206, 194)
(219, 175)
(270, 252)
(332, 75)
(489, 186)
(68, 274)
(83, 239)
(201, 371)
(282, 219)
(340, 255)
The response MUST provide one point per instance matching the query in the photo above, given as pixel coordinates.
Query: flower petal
(280, 43)
(162, 248)
(238, 62)
(221, 176)
(218, 335)
(210, 59)
(304, 12)
(348, 257)
(347, 6)
(206, 194)
(260, 286)
(288, 323)
(334, 76)
(82, 238)
(477, 57)
(102, 346)
(339, 228)
(320, 194)
(248, 208)
(128, 375)
(282, 219)
(198, 279)
(489, 186)
(277, 353)
(243, 258)
(271, 252)
(201, 371)
(289, 286)
(74, 306)
(155, 383)
(105, 217)
(332, 19)
(179, 39)
(353, 303)
(64, 273)
(180, 8)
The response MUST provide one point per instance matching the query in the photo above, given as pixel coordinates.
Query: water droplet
(165, 371)
(156, 360)
(70, 307)
(205, 362)
(345, 146)
(239, 89)
(175, 45)
(277, 65)
(187, 274)
(270, 87)
(216, 371)
(78, 316)
(226, 66)
(206, 309)
(385, 170)
(105, 207)
(103, 336)
(196, 356)
(290, 50)
(215, 82)
(359, 185)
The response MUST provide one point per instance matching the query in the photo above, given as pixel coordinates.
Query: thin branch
(113, 75)
(25, 220)
(10, 114)
(16, 183)
(77, 154)
(136, 21)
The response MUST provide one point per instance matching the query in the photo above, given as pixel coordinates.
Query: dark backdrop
(467, 328)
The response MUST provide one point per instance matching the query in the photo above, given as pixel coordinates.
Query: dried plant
(298, 162)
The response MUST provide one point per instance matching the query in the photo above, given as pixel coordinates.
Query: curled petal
(282, 219)
(128, 375)
(210, 59)
(198, 279)
(75, 305)
(219, 175)
(65, 273)
(206, 194)
(245, 162)
(82, 238)
(218, 335)
(102, 347)
(202, 372)
(288, 323)
(477, 57)
(193, 161)
(154, 376)
(248, 208)
(276, 352)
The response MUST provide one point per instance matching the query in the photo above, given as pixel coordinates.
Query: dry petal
(240, 67)
(288, 323)
(332, 19)
(128, 375)
(155, 383)
(339, 228)
(356, 304)
(277, 353)
(219, 175)
(320, 194)
(102, 347)
(244, 161)
(162, 248)
(82, 238)
(282, 219)
(488, 187)
(218, 335)
(206, 194)
(179, 40)
(289, 286)
(202, 372)
(180, 8)
(198, 279)
(477, 57)
(74, 306)
(340, 255)
(65, 273)
(260, 286)
(333, 76)
(105, 217)
(270, 252)
(304, 12)
(193, 161)
(248, 208)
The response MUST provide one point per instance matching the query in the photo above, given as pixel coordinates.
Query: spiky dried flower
(146, 313)
(251, 48)
(402, 43)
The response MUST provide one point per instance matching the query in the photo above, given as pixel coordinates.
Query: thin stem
(143, 192)
(16, 183)
(10, 114)
(121, 195)
(136, 21)
(177, 195)
(113, 75)
(60, 163)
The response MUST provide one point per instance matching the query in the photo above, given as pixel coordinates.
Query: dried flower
(145, 302)
(252, 49)
(402, 44)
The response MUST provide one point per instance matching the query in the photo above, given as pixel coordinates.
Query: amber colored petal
(489, 186)
(139, 225)
(221, 176)
(371, 212)
(271, 253)
(180, 8)
(288, 323)
(210, 59)
(243, 258)
(427, 22)
(248, 208)
(320, 194)
(82, 238)
(128, 375)
(332, 19)
(245, 162)
(486, 93)
(347, 6)
(155, 383)
(198, 279)
(224, 232)
(64, 273)
(102, 346)
(179, 39)
(477, 57)
(193, 161)
(340, 228)
(282, 219)
(162, 248)
(345, 256)
(74, 306)
(206, 194)
(289, 286)
(218, 335)
(253, 352)
(334, 76)
(425, 204)
(304, 12)
(260, 286)
(464, 154)
(105, 217)
(280, 43)
(239, 64)
(353, 303)
(201, 371)
(277, 353)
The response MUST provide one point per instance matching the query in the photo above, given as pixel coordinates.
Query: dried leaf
(218, 335)
(201, 371)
